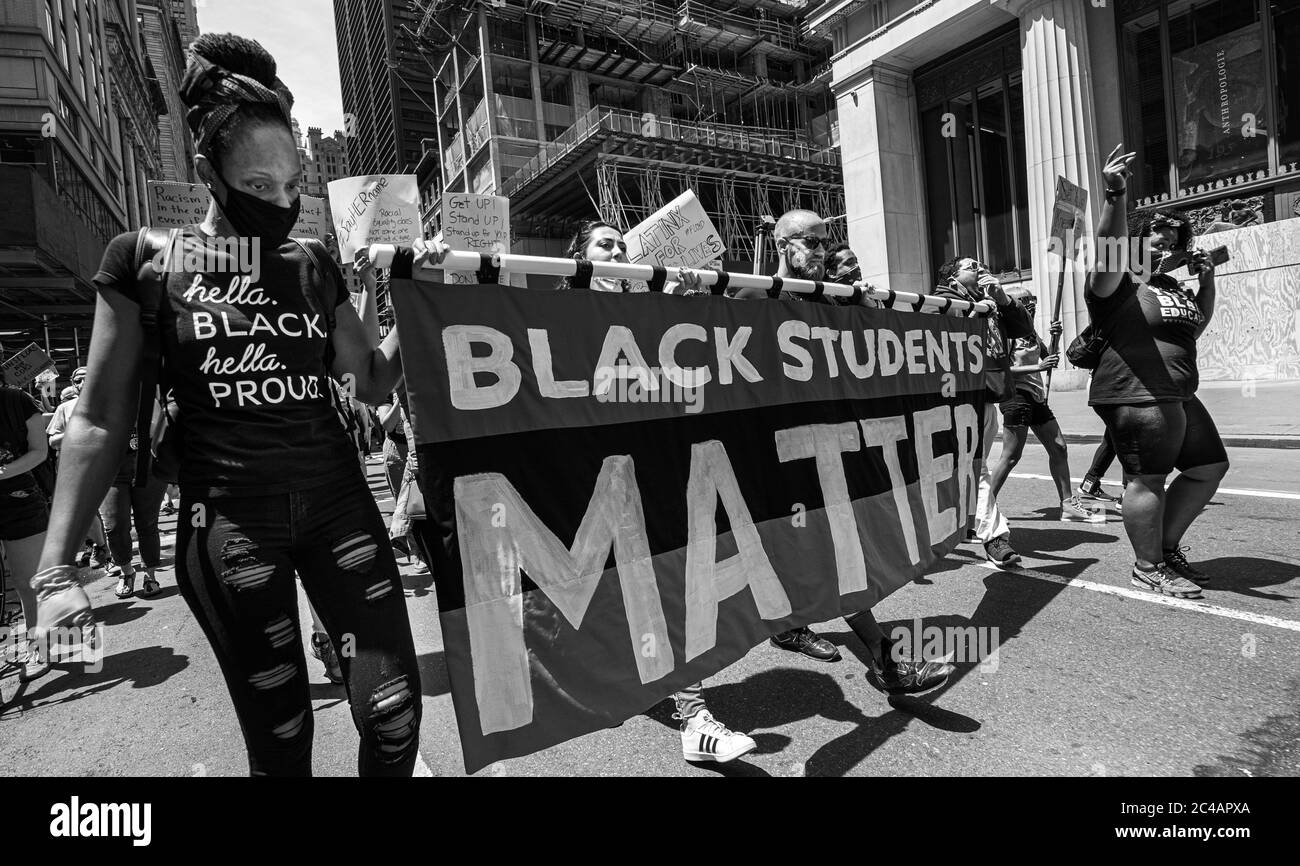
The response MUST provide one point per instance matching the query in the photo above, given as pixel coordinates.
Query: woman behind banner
(269, 482)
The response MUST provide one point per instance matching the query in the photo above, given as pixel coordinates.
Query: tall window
(1212, 90)
(50, 21)
(973, 152)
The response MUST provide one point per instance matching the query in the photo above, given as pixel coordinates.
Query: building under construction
(580, 108)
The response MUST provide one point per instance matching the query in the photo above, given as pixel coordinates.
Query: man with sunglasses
(800, 238)
(966, 279)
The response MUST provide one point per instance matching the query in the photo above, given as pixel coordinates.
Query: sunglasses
(812, 242)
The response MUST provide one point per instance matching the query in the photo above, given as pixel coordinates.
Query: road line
(1139, 595)
(1234, 491)
(421, 770)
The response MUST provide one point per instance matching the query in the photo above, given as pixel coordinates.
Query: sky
(300, 35)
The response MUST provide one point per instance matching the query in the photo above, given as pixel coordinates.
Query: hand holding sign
(377, 208)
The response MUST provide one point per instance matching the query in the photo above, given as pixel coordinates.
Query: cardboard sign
(1067, 211)
(176, 205)
(479, 224)
(25, 365)
(679, 234)
(374, 209)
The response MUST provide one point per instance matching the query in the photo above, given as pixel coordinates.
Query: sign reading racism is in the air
(176, 205)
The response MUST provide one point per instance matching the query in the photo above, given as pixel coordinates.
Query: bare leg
(1144, 512)
(1013, 445)
(23, 556)
(1058, 460)
(1186, 498)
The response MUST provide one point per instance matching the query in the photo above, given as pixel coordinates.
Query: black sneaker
(905, 676)
(1164, 581)
(1091, 489)
(805, 640)
(324, 650)
(1179, 565)
(100, 558)
(999, 550)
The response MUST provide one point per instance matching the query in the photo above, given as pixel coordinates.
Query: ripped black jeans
(236, 558)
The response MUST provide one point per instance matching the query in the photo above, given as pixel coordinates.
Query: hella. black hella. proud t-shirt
(244, 349)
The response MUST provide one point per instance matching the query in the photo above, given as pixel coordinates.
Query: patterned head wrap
(215, 93)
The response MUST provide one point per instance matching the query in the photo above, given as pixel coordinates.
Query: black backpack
(157, 410)
(1085, 350)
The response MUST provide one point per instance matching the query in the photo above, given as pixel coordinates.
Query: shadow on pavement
(143, 668)
(1245, 574)
(120, 612)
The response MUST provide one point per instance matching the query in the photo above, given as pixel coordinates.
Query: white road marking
(1233, 491)
(1140, 595)
(421, 770)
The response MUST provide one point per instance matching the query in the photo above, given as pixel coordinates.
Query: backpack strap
(151, 286)
(320, 262)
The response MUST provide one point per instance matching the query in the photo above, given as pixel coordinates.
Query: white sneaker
(704, 738)
(1073, 509)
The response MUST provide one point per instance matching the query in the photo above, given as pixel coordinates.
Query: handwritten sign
(176, 205)
(374, 209)
(679, 234)
(1067, 211)
(479, 224)
(25, 364)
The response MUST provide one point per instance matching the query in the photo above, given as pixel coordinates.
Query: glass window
(1286, 41)
(49, 21)
(1145, 105)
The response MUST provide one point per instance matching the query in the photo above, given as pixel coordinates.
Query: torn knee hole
(292, 728)
(242, 570)
(280, 632)
(356, 552)
(273, 677)
(393, 715)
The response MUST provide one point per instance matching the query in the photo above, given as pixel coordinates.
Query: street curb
(1228, 441)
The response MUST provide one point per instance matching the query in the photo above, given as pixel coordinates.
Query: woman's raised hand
(1116, 171)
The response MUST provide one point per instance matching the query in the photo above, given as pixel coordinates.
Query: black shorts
(23, 513)
(1024, 411)
(1157, 438)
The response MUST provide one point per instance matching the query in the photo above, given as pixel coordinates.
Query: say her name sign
(680, 234)
(374, 209)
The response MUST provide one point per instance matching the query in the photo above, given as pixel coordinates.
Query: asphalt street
(1091, 677)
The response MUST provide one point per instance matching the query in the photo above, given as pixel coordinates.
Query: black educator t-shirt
(1151, 331)
(247, 360)
(16, 409)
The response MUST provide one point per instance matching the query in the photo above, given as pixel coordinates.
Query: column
(883, 190)
(535, 76)
(1060, 139)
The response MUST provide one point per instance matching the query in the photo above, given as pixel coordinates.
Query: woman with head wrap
(251, 323)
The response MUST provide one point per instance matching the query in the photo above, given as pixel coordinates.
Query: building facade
(166, 27)
(323, 159)
(79, 101)
(582, 108)
(958, 116)
(387, 87)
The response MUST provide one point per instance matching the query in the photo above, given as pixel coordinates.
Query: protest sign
(1067, 212)
(374, 209)
(679, 234)
(176, 205)
(583, 571)
(479, 224)
(23, 366)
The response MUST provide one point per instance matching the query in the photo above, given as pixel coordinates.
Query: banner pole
(461, 260)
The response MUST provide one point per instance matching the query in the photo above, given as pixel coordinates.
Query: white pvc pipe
(459, 260)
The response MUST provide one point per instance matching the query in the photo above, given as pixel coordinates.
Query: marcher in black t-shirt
(269, 481)
(23, 510)
(1144, 387)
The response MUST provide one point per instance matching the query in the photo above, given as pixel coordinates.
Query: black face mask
(254, 218)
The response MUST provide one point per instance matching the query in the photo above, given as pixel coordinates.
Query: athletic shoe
(1164, 581)
(704, 738)
(167, 508)
(1179, 565)
(100, 558)
(805, 640)
(905, 676)
(33, 667)
(1073, 510)
(323, 649)
(972, 537)
(999, 550)
(1091, 489)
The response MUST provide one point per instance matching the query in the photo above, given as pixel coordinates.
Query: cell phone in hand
(1219, 256)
